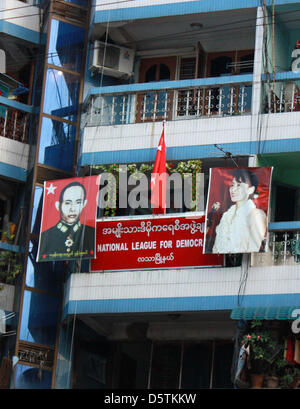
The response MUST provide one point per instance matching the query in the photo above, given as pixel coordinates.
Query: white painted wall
(14, 153)
(193, 132)
(120, 4)
(20, 13)
(183, 283)
(7, 297)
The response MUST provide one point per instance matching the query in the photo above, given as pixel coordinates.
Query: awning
(264, 313)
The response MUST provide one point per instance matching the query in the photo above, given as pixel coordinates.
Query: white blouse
(234, 234)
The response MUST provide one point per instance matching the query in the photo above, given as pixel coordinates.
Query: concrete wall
(7, 293)
(182, 289)
(13, 158)
(20, 14)
(193, 138)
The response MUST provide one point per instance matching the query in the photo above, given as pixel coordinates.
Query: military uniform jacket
(63, 242)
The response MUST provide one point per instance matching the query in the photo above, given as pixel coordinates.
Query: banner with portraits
(68, 226)
(237, 210)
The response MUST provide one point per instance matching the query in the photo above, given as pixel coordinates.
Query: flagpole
(164, 131)
(158, 177)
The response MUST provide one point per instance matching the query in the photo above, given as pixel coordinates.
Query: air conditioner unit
(112, 60)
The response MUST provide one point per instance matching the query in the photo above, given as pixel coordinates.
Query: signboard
(237, 210)
(152, 243)
(68, 219)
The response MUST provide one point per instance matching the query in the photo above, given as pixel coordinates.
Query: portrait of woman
(238, 223)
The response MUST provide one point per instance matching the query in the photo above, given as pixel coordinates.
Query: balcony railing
(286, 97)
(284, 248)
(200, 98)
(150, 105)
(13, 123)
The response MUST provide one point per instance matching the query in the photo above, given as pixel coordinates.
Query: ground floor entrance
(145, 355)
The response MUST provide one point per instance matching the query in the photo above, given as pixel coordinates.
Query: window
(169, 365)
(286, 203)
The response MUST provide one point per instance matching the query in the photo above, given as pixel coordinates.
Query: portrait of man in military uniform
(70, 237)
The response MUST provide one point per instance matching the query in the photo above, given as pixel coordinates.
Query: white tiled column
(258, 63)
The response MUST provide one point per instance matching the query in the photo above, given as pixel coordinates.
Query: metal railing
(171, 104)
(285, 99)
(283, 248)
(13, 123)
(285, 245)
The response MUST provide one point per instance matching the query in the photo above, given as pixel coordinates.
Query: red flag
(159, 177)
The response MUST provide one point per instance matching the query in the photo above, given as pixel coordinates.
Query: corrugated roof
(264, 313)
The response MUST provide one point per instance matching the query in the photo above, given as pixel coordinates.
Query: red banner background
(50, 214)
(154, 243)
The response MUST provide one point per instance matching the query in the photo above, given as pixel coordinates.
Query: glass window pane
(57, 144)
(83, 3)
(43, 276)
(165, 366)
(37, 203)
(28, 377)
(39, 318)
(222, 366)
(66, 46)
(61, 94)
(196, 366)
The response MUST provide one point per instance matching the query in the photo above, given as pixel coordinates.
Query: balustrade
(13, 123)
(173, 104)
(283, 248)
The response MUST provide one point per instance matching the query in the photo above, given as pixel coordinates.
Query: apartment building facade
(85, 89)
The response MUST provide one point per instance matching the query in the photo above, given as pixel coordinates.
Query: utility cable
(208, 31)
(92, 6)
(40, 56)
(79, 261)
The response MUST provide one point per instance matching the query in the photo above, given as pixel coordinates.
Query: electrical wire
(243, 279)
(79, 261)
(42, 56)
(92, 6)
(194, 31)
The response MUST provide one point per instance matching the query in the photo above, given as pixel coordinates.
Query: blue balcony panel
(11, 247)
(191, 152)
(172, 9)
(114, 306)
(18, 31)
(170, 85)
(18, 105)
(284, 226)
(13, 172)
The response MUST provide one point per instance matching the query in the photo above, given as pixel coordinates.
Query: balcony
(282, 95)
(14, 111)
(172, 100)
(193, 99)
(27, 17)
(284, 246)
(14, 151)
(13, 123)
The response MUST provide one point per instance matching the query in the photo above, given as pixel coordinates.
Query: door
(218, 66)
(156, 105)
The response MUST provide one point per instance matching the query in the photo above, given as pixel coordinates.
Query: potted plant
(264, 348)
(275, 372)
(287, 379)
(296, 376)
(10, 262)
(10, 266)
(290, 378)
(258, 363)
